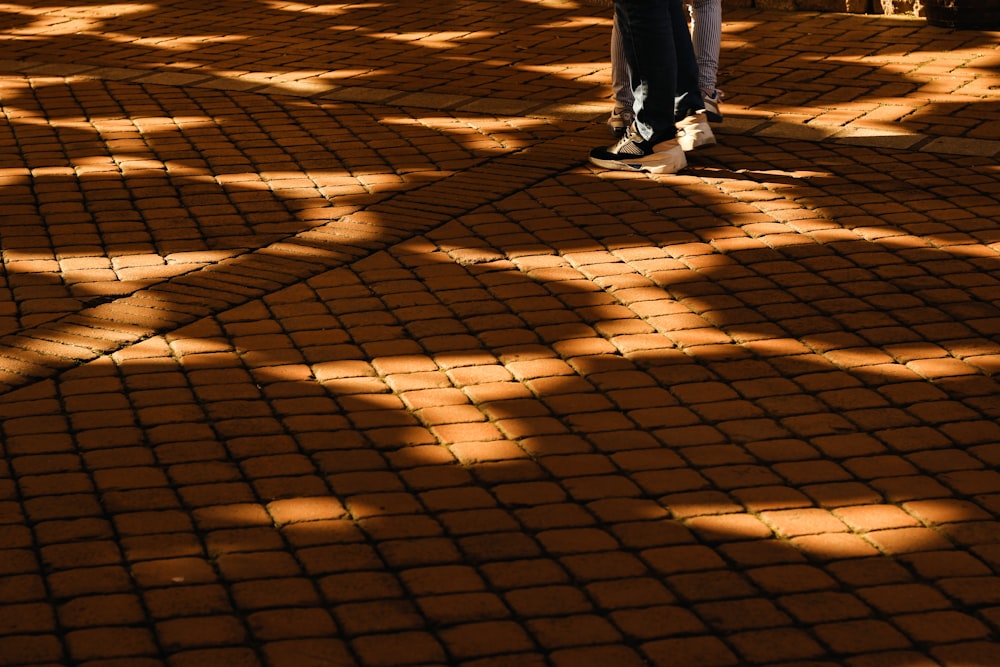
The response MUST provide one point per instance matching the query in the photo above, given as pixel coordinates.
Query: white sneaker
(694, 131)
(633, 153)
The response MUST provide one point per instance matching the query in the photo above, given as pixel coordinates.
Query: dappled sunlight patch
(298, 510)
(103, 10)
(82, 17)
(433, 40)
(168, 43)
(556, 4)
(575, 22)
(332, 8)
(154, 197)
(387, 505)
(740, 416)
(344, 73)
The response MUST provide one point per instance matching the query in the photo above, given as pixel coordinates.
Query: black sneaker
(633, 153)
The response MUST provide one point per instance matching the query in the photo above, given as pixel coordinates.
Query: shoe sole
(654, 164)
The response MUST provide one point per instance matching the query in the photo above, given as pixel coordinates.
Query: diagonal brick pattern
(325, 351)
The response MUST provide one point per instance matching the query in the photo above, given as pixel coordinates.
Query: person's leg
(692, 120)
(707, 40)
(688, 99)
(650, 143)
(621, 86)
(648, 33)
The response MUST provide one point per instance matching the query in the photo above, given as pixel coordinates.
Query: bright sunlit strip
(53, 21)
(320, 9)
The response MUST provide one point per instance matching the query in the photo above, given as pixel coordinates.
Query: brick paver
(322, 344)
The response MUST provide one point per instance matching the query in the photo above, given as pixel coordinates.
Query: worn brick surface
(322, 344)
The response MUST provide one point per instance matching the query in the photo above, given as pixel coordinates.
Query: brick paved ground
(322, 344)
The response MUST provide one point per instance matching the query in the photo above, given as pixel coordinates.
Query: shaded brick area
(291, 379)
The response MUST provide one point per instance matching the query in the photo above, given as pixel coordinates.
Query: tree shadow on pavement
(820, 69)
(667, 412)
(746, 415)
(102, 204)
(835, 70)
(454, 49)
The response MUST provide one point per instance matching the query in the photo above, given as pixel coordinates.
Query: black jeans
(661, 60)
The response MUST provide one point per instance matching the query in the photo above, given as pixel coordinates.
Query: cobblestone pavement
(321, 343)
